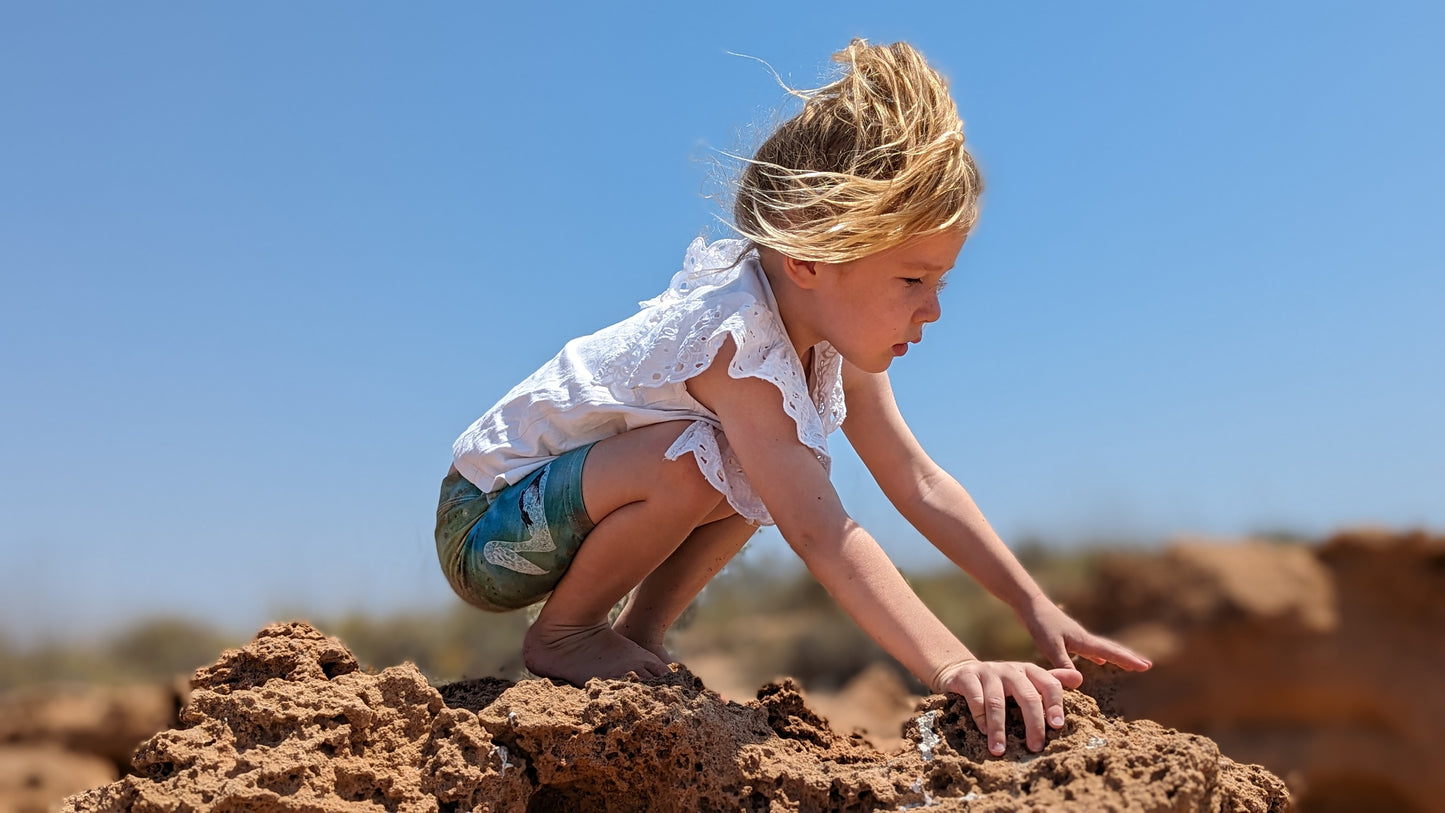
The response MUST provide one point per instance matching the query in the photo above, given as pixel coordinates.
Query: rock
(1097, 763)
(289, 723)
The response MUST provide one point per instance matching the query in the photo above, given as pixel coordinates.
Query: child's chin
(873, 365)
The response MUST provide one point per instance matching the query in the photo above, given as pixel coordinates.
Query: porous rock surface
(290, 722)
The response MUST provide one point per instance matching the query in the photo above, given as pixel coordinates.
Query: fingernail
(1056, 721)
(997, 748)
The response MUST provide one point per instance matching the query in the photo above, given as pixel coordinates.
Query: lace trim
(720, 466)
(704, 265)
(684, 330)
(828, 380)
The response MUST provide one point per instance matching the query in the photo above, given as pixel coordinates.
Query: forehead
(931, 252)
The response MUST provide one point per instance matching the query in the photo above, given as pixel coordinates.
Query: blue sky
(261, 263)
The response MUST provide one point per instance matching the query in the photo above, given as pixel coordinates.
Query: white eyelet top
(634, 374)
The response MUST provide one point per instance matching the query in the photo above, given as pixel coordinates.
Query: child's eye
(913, 280)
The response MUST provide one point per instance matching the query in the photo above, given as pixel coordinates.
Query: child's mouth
(900, 349)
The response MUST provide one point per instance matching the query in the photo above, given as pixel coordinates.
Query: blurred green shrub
(152, 649)
(770, 615)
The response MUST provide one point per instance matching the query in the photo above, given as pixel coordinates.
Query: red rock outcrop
(1322, 663)
(56, 740)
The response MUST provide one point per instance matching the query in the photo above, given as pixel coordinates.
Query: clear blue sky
(261, 263)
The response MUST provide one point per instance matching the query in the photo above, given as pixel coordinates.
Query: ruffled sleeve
(718, 295)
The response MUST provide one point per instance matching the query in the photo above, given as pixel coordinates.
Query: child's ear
(802, 273)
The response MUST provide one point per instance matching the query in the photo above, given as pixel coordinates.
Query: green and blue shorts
(508, 549)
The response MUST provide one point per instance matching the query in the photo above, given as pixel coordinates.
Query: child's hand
(1057, 635)
(987, 685)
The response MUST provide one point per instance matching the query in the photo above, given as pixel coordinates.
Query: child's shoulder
(708, 268)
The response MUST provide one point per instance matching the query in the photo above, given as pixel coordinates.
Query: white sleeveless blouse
(634, 374)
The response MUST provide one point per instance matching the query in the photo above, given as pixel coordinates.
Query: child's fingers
(1069, 678)
(971, 688)
(1101, 650)
(995, 705)
(1056, 650)
(1022, 684)
(1051, 684)
(1038, 692)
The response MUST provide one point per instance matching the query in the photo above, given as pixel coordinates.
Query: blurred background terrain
(1317, 660)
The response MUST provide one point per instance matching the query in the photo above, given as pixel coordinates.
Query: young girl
(643, 456)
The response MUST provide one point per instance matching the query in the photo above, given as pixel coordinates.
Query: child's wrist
(1033, 603)
(937, 685)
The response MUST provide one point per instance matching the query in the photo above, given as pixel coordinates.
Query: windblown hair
(873, 159)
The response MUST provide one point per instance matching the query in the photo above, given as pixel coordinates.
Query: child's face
(874, 307)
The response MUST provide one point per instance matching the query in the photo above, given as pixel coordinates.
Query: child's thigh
(631, 467)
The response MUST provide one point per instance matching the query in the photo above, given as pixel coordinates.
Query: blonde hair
(873, 159)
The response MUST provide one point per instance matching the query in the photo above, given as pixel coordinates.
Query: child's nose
(930, 310)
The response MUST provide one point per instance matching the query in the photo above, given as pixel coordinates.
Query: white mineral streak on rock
(928, 739)
(928, 800)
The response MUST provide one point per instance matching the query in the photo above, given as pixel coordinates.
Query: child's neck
(793, 308)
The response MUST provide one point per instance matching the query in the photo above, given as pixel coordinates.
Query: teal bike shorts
(508, 549)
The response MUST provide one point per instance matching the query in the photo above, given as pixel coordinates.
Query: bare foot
(578, 653)
(646, 642)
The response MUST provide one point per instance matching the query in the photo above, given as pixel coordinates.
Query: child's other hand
(987, 685)
(1057, 635)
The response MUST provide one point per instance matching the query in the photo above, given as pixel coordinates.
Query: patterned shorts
(508, 549)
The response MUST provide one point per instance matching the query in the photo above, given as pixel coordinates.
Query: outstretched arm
(934, 503)
(848, 562)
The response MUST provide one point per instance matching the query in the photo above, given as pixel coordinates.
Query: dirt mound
(1322, 663)
(289, 722)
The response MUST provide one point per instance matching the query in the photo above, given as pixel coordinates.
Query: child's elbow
(822, 542)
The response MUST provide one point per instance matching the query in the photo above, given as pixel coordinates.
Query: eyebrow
(923, 266)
